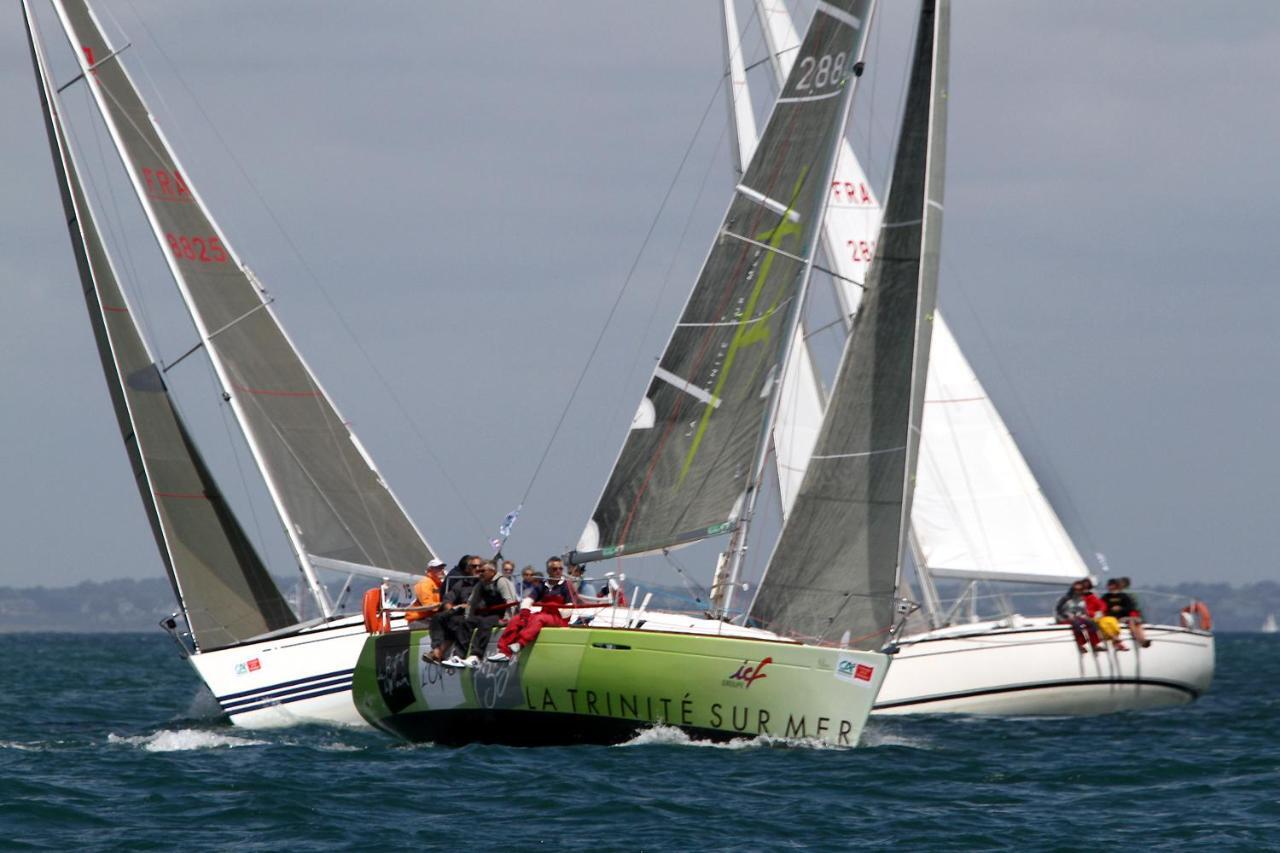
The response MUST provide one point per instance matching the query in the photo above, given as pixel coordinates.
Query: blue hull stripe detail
(271, 703)
(286, 694)
(230, 697)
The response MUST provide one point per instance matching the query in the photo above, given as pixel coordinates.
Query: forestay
(336, 508)
(224, 589)
(978, 510)
(834, 571)
(691, 455)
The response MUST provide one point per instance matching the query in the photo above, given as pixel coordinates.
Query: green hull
(603, 685)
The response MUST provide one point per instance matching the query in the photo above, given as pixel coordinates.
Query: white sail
(979, 512)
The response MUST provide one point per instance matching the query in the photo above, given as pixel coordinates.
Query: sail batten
(835, 568)
(690, 461)
(221, 584)
(331, 499)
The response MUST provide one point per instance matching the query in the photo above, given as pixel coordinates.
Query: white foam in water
(873, 735)
(21, 747)
(183, 740)
(671, 736)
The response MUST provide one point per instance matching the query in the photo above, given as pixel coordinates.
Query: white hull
(284, 681)
(1031, 667)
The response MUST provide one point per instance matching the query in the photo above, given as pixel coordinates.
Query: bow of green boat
(603, 685)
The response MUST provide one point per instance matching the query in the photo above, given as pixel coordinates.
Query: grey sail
(224, 589)
(336, 509)
(834, 571)
(688, 461)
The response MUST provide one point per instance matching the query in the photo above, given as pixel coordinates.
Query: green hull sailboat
(604, 685)
(806, 658)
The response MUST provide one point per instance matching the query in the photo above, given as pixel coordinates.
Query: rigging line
(624, 387)
(386, 385)
(635, 263)
(700, 594)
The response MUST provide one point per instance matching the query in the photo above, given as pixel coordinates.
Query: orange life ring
(376, 620)
(1197, 612)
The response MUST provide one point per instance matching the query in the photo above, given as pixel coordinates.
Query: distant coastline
(139, 605)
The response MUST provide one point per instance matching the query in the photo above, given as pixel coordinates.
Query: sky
(445, 200)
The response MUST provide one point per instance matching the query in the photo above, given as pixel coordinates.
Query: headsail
(978, 510)
(689, 461)
(336, 509)
(834, 571)
(223, 587)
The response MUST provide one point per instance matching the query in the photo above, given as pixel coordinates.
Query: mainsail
(224, 589)
(692, 455)
(834, 571)
(337, 511)
(849, 230)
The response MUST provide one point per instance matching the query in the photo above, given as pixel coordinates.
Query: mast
(336, 509)
(223, 588)
(742, 120)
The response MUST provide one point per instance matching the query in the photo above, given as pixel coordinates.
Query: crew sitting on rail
(1122, 607)
(492, 602)
(426, 596)
(1077, 609)
(550, 595)
(448, 626)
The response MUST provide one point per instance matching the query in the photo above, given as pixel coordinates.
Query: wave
(182, 740)
(671, 736)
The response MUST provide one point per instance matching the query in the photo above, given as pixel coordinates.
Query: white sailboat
(263, 665)
(978, 512)
(694, 459)
(1269, 624)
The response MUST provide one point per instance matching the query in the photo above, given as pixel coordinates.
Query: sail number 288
(817, 74)
(206, 250)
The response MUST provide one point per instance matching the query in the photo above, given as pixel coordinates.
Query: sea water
(109, 742)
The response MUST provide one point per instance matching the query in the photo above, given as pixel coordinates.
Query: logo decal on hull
(747, 674)
(848, 669)
(251, 665)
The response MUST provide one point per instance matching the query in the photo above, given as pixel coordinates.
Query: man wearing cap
(426, 601)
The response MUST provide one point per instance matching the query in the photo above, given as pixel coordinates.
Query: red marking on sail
(267, 392)
(88, 53)
(115, 309)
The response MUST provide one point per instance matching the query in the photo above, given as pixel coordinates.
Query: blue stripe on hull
(286, 692)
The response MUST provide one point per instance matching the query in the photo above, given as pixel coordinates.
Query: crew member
(492, 602)
(426, 596)
(1121, 606)
(550, 595)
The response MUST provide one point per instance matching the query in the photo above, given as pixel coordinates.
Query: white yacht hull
(1032, 667)
(284, 681)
